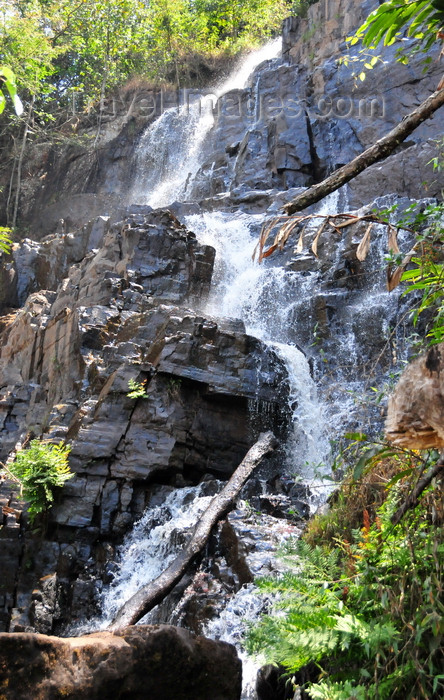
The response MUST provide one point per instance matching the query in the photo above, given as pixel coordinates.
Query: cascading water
(273, 302)
(168, 155)
(151, 546)
(263, 298)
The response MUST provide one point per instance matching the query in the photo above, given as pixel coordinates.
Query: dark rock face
(113, 309)
(135, 662)
(304, 115)
(273, 683)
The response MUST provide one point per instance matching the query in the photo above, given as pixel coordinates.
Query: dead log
(381, 149)
(153, 593)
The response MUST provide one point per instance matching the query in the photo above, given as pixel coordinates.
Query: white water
(169, 151)
(264, 299)
(148, 549)
(169, 157)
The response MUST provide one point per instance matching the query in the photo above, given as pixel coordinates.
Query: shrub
(40, 470)
(368, 614)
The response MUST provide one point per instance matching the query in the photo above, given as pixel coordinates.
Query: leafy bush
(5, 239)
(369, 614)
(40, 469)
(427, 270)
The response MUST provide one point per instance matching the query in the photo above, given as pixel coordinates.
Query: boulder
(162, 662)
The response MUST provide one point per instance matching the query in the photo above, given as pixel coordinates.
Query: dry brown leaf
(268, 252)
(314, 245)
(352, 220)
(282, 233)
(364, 246)
(394, 279)
(300, 246)
(392, 242)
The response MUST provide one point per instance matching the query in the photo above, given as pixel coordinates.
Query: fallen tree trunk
(381, 149)
(153, 593)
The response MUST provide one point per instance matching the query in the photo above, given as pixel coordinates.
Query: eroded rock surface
(304, 115)
(135, 662)
(111, 307)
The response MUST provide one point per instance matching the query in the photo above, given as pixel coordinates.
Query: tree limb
(381, 149)
(412, 499)
(153, 593)
(20, 161)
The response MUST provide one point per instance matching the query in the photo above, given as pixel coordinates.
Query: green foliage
(69, 54)
(137, 390)
(7, 78)
(300, 7)
(40, 470)
(26, 45)
(369, 614)
(5, 239)
(419, 18)
(426, 273)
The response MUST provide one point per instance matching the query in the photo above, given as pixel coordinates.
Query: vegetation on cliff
(68, 55)
(365, 612)
(40, 470)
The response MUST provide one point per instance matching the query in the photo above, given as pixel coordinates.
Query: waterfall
(264, 298)
(273, 301)
(168, 155)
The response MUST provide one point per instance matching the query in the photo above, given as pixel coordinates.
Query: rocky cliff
(114, 309)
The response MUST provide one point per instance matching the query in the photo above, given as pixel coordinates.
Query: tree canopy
(65, 51)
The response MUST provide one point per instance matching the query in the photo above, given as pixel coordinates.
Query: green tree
(7, 78)
(26, 46)
(421, 20)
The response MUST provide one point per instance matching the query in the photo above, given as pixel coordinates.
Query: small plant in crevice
(40, 470)
(137, 390)
(174, 387)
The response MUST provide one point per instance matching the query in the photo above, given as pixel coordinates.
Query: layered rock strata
(112, 308)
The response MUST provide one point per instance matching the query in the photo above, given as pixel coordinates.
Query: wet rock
(305, 116)
(137, 662)
(390, 176)
(45, 604)
(243, 548)
(280, 506)
(66, 361)
(273, 683)
(11, 548)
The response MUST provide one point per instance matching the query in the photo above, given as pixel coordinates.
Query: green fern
(368, 614)
(137, 390)
(40, 470)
